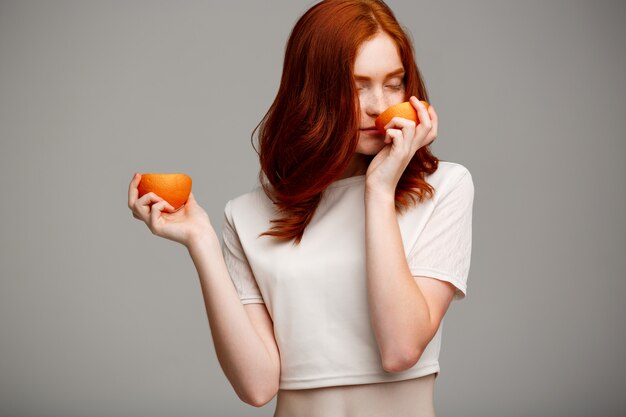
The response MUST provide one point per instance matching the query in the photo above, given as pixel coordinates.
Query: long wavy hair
(309, 134)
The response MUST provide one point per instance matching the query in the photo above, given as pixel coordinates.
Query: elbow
(400, 363)
(258, 401)
(261, 400)
(258, 389)
(262, 396)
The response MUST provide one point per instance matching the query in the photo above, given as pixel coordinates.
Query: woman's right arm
(243, 336)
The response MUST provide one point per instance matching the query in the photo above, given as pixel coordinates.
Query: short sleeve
(237, 263)
(444, 247)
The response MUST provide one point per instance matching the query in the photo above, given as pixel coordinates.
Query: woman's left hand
(402, 138)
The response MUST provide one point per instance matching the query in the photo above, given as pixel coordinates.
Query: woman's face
(379, 77)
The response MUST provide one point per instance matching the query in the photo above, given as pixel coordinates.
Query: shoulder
(245, 199)
(448, 174)
(449, 177)
(252, 204)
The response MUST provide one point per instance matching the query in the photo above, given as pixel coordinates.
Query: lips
(372, 129)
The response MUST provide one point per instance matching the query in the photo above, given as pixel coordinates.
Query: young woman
(337, 270)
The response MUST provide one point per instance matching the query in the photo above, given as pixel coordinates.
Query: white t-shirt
(316, 293)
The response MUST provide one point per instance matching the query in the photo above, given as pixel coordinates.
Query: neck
(358, 166)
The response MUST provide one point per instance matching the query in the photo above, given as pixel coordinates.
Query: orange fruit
(173, 188)
(404, 110)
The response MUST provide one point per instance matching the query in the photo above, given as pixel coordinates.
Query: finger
(432, 134)
(149, 199)
(133, 193)
(422, 114)
(423, 130)
(142, 205)
(406, 126)
(434, 119)
(399, 123)
(155, 214)
(393, 136)
(168, 207)
(432, 113)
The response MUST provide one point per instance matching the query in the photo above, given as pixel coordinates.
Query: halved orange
(404, 110)
(173, 188)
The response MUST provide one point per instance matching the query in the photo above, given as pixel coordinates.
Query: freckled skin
(375, 59)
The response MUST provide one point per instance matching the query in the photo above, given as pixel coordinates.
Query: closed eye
(393, 87)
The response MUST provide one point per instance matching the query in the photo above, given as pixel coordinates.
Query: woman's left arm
(405, 311)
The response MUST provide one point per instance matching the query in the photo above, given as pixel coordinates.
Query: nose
(375, 103)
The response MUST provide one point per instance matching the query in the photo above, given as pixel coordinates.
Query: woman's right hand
(182, 225)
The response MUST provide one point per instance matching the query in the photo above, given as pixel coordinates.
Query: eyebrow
(391, 74)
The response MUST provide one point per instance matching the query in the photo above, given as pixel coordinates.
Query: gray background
(98, 317)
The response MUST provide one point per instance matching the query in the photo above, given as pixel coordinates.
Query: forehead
(377, 57)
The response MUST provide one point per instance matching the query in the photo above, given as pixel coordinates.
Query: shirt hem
(329, 381)
(252, 301)
(442, 276)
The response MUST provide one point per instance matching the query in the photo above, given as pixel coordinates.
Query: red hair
(309, 134)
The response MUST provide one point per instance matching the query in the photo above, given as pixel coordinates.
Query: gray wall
(98, 317)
